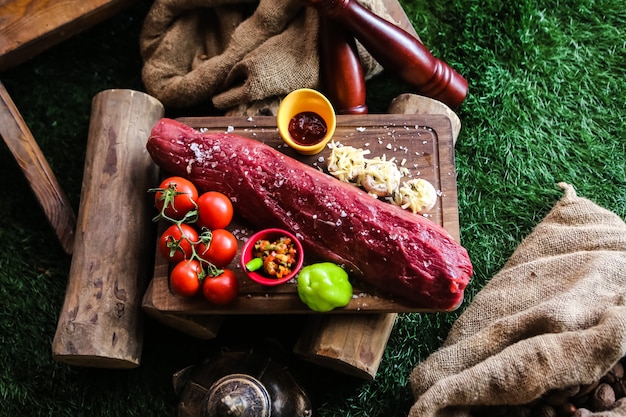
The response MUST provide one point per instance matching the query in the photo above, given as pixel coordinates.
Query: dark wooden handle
(396, 50)
(341, 73)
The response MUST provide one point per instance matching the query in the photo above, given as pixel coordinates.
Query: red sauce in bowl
(307, 128)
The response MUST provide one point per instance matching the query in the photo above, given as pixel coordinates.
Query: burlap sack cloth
(553, 317)
(234, 52)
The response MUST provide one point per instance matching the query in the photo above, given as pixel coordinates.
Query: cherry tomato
(215, 210)
(176, 241)
(178, 195)
(221, 289)
(221, 249)
(186, 277)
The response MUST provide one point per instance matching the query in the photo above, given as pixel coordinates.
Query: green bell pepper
(324, 286)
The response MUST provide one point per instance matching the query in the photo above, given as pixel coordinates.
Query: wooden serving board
(421, 143)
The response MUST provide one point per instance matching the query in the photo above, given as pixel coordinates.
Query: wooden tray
(422, 143)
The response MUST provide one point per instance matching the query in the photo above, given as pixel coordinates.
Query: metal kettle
(246, 383)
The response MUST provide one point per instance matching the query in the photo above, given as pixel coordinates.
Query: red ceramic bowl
(270, 234)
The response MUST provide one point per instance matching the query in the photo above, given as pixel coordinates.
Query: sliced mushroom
(378, 186)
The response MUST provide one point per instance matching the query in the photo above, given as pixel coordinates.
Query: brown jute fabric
(234, 52)
(554, 316)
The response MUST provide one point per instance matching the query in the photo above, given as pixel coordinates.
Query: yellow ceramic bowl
(301, 101)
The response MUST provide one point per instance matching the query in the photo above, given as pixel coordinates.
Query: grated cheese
(346, 163)
(381, 177)
(418, 195)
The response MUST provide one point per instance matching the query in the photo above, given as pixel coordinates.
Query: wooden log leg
(201, 327)
(354, 344)
(38, 173)
(204, 327)
(415, 104)
(100, 321)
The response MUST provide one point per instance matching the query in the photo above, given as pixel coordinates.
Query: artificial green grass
(546, 104)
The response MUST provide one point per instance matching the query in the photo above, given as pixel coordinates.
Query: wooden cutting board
(421, 143)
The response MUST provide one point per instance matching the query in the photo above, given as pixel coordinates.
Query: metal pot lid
(238, 395)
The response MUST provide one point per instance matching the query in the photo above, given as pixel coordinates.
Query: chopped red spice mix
(279, 256)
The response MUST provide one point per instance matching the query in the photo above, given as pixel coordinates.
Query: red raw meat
(397, 252)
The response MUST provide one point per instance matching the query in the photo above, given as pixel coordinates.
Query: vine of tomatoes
(197, 243)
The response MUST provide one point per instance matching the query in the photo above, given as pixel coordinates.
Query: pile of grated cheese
(417, 195)
(346, 163)
(381, 177)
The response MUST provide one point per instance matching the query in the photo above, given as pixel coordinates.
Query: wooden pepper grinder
(341, 74)
(396, 50)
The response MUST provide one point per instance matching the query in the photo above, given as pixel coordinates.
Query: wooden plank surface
(423, 142)
(28, 27)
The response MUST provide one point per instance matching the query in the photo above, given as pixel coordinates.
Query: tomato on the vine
(215, 210)
(175, 197)
(221, 250)
(186, 278)
(175, 243)
(221, 289)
